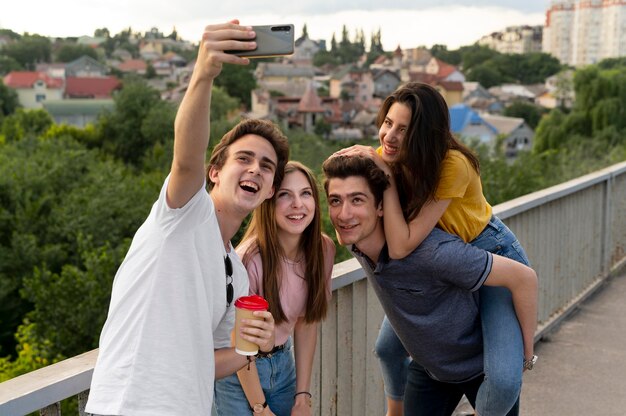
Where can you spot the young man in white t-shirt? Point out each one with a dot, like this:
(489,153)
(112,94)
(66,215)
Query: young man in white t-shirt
(167,334)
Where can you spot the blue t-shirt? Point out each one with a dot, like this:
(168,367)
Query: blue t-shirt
(431,300)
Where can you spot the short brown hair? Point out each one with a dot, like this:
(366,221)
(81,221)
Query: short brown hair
(343,167)
(263,128)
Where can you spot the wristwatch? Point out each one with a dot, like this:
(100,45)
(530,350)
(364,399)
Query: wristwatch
(529,364)
(259,407)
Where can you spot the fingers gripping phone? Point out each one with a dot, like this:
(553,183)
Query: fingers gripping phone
(271,40)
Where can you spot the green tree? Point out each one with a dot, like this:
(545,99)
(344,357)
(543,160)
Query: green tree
(121,133)
(8,101)
(531,113)
(102,33)
(441,52)
(25,123)
(71,52)
(486,75)
(238,81)
(29,50)
(8,64)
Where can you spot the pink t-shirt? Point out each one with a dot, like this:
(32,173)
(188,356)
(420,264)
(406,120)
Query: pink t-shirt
(293,290)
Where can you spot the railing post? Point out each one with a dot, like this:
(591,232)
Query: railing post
(52,410)
(82,402)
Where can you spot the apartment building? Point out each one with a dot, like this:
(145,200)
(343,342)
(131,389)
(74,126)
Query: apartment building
(515,39)
(582,32)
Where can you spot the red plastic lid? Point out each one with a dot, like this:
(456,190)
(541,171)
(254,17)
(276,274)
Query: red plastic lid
(253,303)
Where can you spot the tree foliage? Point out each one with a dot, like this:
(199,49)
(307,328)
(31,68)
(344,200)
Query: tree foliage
(70,52)
(121,130)
(8,101)
(598,118)
(30,50)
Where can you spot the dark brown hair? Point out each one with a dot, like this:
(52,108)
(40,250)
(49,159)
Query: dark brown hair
(343,167)
(263,230)
(263,128)
(427,141)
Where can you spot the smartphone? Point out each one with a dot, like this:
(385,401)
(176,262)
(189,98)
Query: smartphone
(271,40)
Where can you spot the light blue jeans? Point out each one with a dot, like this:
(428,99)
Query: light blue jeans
(502,336)
(278,380)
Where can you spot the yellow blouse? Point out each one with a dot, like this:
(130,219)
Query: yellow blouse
(469,212)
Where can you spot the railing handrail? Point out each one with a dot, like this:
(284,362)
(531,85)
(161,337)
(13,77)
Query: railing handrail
(56,382)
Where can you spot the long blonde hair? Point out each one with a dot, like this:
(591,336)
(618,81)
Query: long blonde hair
(263,232)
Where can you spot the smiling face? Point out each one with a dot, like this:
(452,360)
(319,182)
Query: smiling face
(245,180)
(295,204)
(393,131)
(354,213)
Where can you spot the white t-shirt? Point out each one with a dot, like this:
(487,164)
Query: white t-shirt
(167,315)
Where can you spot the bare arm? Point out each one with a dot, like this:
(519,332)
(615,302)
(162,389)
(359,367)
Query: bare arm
(251,385)
(191,128)
(261,332)
(402,237)
(305,339)
(521,280)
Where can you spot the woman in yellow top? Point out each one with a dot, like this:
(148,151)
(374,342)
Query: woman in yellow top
(435,182)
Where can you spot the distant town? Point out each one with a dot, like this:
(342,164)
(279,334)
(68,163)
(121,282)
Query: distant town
(333,90)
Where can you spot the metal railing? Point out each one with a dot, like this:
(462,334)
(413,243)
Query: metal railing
(574,233)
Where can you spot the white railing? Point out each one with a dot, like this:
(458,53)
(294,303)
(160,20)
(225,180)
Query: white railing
(574,233)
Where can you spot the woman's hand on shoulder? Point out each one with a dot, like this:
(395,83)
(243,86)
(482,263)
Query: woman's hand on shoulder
(364,151)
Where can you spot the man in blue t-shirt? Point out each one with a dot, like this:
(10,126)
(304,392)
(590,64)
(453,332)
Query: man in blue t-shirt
(431,295)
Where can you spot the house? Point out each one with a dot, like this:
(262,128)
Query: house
(77,112)
(121,54)
(518,134)
(475,90)
(480,99)
(444,71)
(452,91)
(305,49)
(515,92)
(85,66)
(33,88)
(91,87)
(137,66)
(150,49)
(385,82)
(288,79)
(353,84)
(467,124)
(91,41)
(54,70)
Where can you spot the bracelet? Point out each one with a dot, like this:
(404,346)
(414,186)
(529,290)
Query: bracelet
(303,392)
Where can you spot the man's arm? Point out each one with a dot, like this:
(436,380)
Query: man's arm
(521,280)
(191,137)
(261,332)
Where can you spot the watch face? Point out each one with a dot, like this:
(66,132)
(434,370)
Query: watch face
(258,408)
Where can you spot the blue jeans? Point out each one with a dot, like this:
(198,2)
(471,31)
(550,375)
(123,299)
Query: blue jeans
(428,397)
(278,380)
(502,337)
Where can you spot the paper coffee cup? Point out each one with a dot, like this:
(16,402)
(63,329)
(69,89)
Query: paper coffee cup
(244,307)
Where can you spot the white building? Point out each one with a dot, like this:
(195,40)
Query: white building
(582,32)
(514,39)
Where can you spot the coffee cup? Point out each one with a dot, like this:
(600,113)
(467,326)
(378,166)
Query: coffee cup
(244,308)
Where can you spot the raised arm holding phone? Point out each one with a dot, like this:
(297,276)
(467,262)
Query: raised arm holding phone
(167,334)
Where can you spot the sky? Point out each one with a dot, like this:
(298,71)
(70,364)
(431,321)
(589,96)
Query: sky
(408,23)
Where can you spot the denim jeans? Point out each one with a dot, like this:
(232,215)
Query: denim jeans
(278,380)
(428,397)
(502,337)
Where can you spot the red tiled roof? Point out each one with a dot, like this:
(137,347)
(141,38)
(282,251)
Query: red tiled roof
(26,79)
(310,102)
(451,85)
(91,87)
(132,65)
(445,69)
(423,77)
